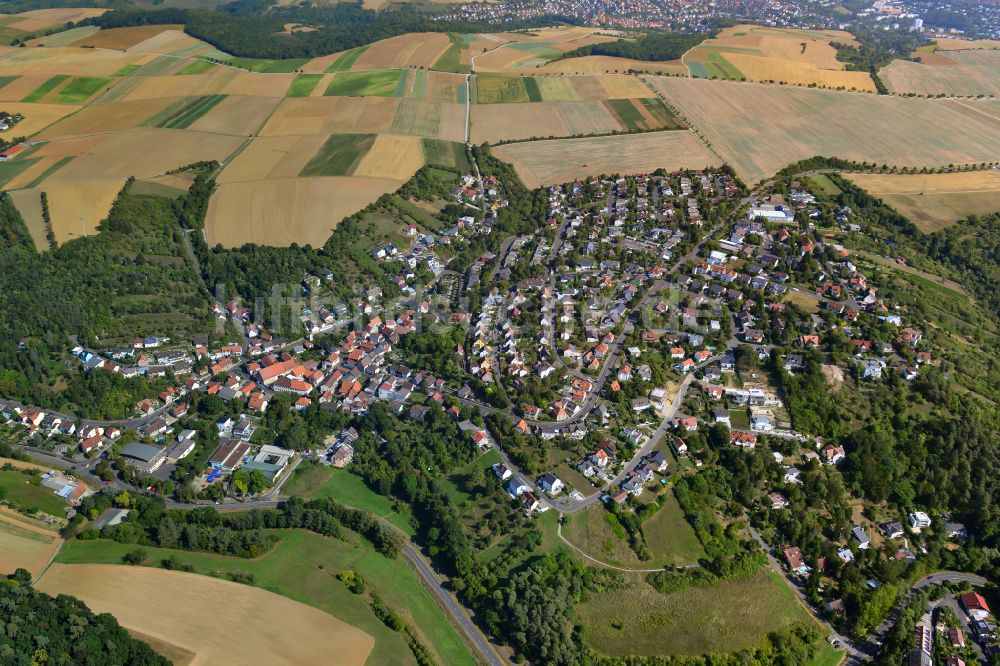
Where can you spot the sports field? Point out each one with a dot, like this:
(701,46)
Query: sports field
(541,163)
(728,617)
(740,122)
(794,57)
(935,201)
(220,621)
(956,73)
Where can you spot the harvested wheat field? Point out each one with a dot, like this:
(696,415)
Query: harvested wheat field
(955,73)
(102,118)
(623,87)
(331,115)
(240,115)
(540,163)
(611,65)
(77,207)
(761,128)
(272,158)
(221,621)
(253,83)
(796,57)
(965,44)
(23,545)
(149,152)
(211,82)
(172,42)
(935,201)
(67,61)
(415,49)
(39,20)
(124,38)
(38,116)
(513,122)
(282,212)
(392,157)
(29,205)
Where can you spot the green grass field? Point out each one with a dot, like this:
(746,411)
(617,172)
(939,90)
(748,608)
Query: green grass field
(27,492)
(382,83)
(446,153)
(661,113)
(626,112)
(126,70)
(197,67)
(44,89)
(183,113)
(303,85)
(823,182)
(346,61)
(303,566)
(339,156)
(80,89)
(670,537)
(500,89)
(734,615)
(451,60)
(348,489)
(7,80)
(533,89)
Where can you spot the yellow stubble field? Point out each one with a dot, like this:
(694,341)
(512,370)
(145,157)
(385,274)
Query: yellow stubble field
(331,115)
(220,621)
(282,212)
(540,163)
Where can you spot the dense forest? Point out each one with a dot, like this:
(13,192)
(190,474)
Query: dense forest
(652,46)
(131,280)
(62,631)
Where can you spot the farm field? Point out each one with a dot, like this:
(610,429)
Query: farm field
(611,65)
(37,21)
(329,115)
(738,120)
(411,50)
(216,619)
(757,53)
(282,212)
(383,83)
(541,163)
(23,545)
(965,44)
(124,38)
(526,52)
(954,73)
(734,615)
(316,561)
(935,201)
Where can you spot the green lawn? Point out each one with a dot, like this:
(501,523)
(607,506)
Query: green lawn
(725,618)
(27,492)
(347,60)
(591,530)
(80,89)
(303,566)
(339,155)
(670,537)
(307,479)
(197,67)
(44,89)
(303,84)
(382,83)
(827,656)
(350,489)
